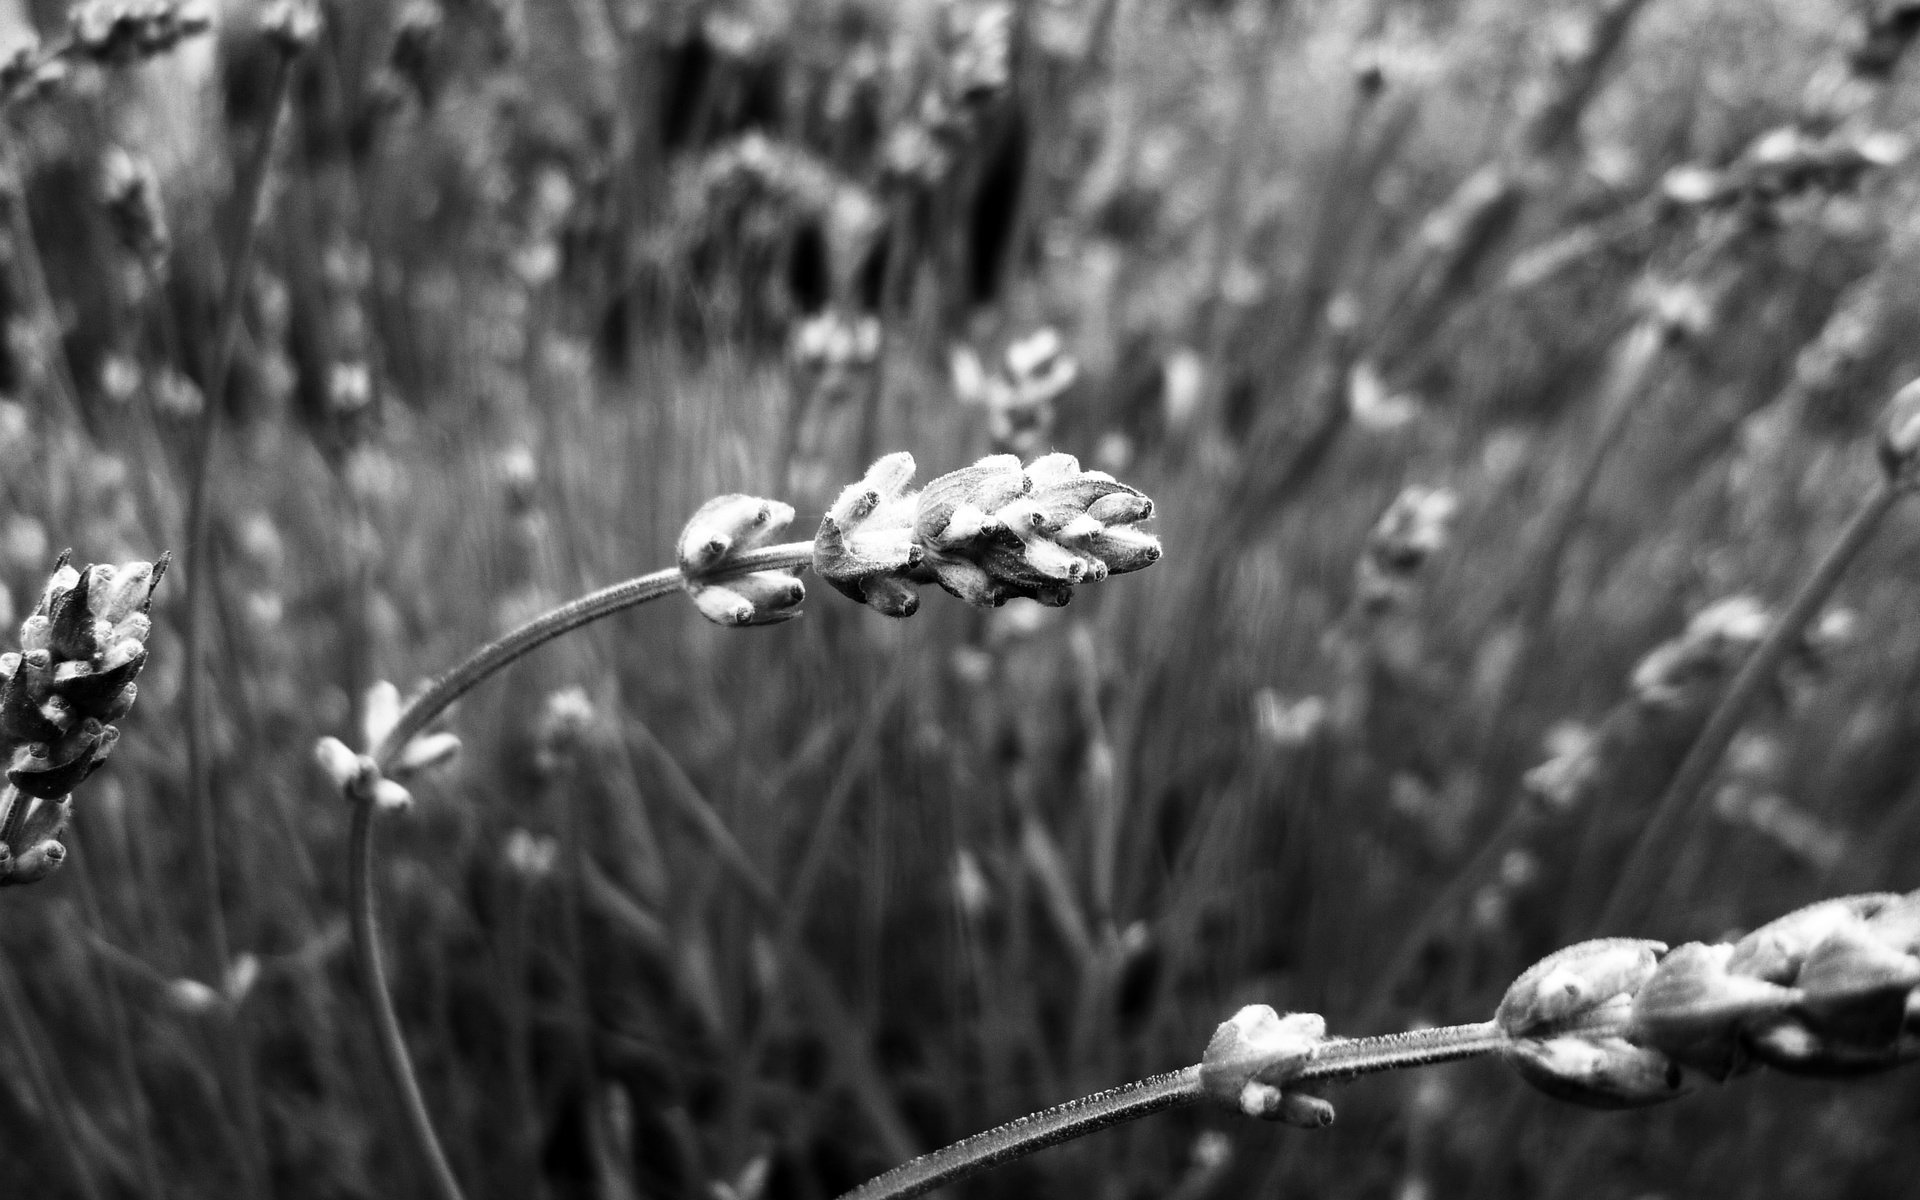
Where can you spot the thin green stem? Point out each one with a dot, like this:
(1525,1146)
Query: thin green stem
(1337,1059)
(416,716)
(1640,876)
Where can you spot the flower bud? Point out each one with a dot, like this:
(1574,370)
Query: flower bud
(1252,1055)
(756,598)
(1581,980)
(1855,986)
(1776,951)
(391,796)
(35,863)
(428,750)
(1597,1072)
(865,546)
(727,526)
(191,996)
(379,713)
(1898,924)
(1691,1009)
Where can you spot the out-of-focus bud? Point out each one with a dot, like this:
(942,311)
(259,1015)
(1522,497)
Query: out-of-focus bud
(191,996)
(342,765)
(426,751)
(291,25)
(131,193)
(241,976)
(1254,1054)
(530,855)
(1693,1010)
(27,71)
(1900,436)
(380,712)
(1583,980)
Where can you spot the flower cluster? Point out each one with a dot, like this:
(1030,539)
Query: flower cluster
(1832,989)
(986,533)
(79,654)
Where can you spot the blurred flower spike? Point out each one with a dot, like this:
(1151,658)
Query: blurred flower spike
(359,776)
(80,652)
(126,31)
(1021,395)
(711,546)
(987,533)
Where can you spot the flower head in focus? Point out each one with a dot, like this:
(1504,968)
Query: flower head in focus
(986,533)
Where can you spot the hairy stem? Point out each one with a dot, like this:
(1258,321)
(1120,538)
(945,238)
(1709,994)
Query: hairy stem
(418,714)
(507,648)
(1338,1058)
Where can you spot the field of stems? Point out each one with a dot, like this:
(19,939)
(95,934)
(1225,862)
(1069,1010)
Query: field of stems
(1537,561)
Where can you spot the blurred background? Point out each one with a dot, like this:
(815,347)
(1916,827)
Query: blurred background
(1497,367)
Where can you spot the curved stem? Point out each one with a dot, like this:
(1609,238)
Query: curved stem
(502,651)
(1336,1059)
(373,977)
(1639,878)
(419,712)
(1048,1127)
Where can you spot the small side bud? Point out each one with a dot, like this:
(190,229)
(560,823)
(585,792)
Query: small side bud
(191,996)
(1259,1049)
(757,598)
(726,526)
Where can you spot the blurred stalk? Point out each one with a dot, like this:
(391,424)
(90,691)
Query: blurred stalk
(485,662)
(826,827)
(1642,886)
(249,203)
(1630,378)
(53,1100)
(134,1092)
(1332,1059)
